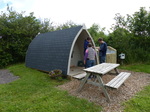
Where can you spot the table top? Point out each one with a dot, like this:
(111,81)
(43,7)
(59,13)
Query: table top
(102,68)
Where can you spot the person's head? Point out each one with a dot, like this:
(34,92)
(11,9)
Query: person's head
(89,45)
(88,39)
(100,40)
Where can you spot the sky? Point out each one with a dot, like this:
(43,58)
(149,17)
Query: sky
(101,12)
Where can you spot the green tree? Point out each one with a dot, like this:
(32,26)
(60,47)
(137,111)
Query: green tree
(66,25)
(46,26)
(17,31)
(132,35)
(120,40)
(140,26)
(96,32)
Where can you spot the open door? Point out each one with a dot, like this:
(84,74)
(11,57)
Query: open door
(77,54)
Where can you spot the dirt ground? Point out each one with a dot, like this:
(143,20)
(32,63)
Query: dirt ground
(6,77)
(133,84)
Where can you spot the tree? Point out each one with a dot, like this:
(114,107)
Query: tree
(17,31)
(46,26)
(140,26)
(97,32)
(66,25)
(132,35)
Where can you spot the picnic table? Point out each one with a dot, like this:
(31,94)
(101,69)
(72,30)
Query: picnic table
(98,71)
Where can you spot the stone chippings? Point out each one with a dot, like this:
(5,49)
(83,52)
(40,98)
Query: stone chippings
(135,83)
(7,77)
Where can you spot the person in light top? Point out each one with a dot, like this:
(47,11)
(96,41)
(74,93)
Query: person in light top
(89,57)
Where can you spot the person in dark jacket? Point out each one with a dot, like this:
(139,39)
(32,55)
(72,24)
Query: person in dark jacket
(86,42)
(102,50)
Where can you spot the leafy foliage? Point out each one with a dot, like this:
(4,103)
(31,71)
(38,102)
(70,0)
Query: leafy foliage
(66,25)
(131,35)
(17,31)
(46,26)
(97,32)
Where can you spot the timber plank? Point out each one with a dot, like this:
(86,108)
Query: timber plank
(80,76)
(102,68)
(118,80)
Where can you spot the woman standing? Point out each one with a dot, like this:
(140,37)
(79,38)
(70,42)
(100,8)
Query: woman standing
(89,58)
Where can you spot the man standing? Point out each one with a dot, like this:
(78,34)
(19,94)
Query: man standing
(102,50)
(86,42)
(89,58)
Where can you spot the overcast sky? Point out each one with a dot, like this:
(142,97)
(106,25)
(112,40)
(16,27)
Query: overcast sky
(85,12)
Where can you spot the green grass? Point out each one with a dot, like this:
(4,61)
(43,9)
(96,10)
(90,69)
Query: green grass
(137,67)
(141,101)
(36,92)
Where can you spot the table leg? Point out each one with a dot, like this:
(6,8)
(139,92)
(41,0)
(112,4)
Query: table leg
(103,88)
(116,70)
(83,82)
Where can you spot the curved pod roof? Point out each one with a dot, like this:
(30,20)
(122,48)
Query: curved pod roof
(52,50)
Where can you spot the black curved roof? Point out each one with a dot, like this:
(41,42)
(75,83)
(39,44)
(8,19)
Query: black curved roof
(49,51)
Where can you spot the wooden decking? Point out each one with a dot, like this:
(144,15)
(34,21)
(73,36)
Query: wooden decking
(75,71)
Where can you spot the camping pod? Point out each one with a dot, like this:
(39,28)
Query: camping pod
(62,49)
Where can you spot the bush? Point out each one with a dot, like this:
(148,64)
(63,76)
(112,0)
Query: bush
(16,31)
(131,35)
(5,59)
(97,32)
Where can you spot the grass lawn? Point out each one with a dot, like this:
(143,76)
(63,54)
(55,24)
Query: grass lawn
(141,102)
(35,92)
(137,68)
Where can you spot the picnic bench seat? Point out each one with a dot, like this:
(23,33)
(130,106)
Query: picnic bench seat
(118,80)
(80,76)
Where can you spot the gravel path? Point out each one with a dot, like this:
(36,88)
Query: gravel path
(6,77)
(133,84)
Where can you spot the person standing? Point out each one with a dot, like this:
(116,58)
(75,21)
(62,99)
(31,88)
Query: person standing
(102,50)
(86,42)
(89,58)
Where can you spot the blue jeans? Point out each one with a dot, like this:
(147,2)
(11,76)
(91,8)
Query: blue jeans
(102,59)
(89,63)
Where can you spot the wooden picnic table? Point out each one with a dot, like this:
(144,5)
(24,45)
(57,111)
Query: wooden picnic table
(98,71)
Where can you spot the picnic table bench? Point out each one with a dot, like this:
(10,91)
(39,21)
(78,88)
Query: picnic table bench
(98,71)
